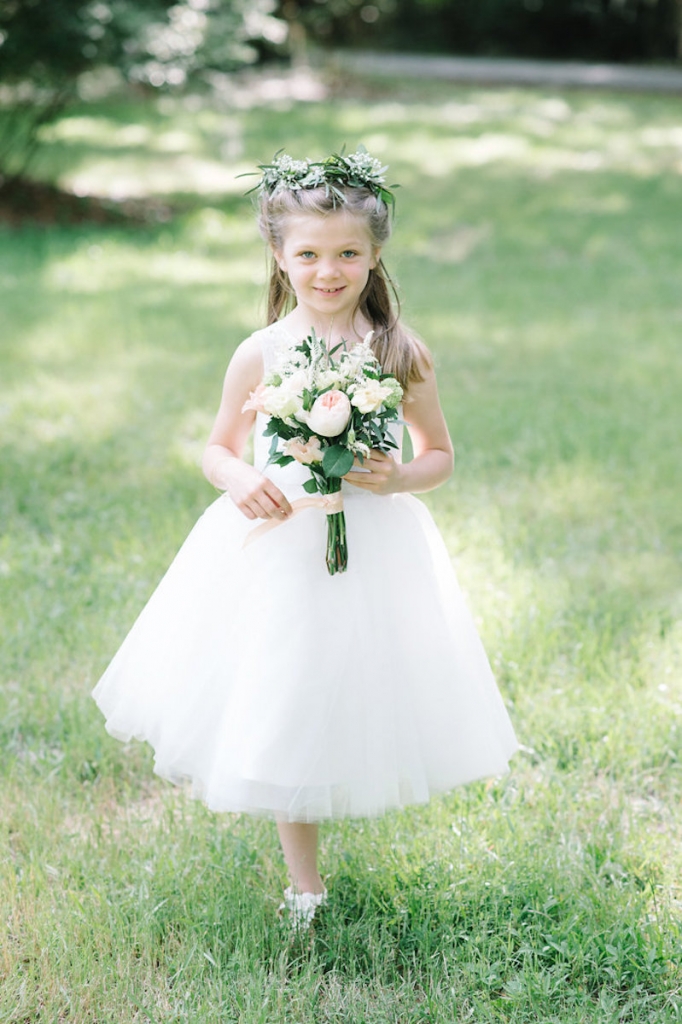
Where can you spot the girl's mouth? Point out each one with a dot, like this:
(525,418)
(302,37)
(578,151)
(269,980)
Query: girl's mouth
(330,291)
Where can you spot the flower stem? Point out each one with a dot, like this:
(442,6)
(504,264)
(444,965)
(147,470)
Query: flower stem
(337,546)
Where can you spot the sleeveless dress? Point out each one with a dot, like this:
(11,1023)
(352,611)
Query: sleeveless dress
(280,690)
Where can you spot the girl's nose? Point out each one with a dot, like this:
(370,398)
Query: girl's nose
(327,268)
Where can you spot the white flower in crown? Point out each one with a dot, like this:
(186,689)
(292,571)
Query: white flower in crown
(315,177)
(285,172)
(357,170)
(366,166)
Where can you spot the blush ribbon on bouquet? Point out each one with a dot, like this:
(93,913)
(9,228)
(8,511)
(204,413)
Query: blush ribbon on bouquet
(329,503)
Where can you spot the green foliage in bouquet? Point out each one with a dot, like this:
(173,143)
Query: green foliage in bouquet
(329,409)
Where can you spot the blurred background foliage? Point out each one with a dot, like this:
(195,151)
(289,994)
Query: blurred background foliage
(611,30)
(47,46)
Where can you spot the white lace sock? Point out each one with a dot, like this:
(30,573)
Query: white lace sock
(301,906)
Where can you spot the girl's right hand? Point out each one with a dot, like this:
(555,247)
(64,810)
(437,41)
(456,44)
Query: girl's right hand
(253,493)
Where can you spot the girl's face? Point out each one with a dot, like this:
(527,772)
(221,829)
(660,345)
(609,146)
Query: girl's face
(328,259)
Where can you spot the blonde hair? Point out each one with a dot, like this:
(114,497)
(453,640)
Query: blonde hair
(399,351)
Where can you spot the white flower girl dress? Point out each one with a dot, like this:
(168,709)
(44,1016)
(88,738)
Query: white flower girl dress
(280,690)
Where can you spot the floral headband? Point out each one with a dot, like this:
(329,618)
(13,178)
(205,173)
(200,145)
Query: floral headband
(359,170)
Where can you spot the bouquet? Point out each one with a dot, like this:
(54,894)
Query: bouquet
(326,409)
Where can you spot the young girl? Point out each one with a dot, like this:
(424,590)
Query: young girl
(279,689)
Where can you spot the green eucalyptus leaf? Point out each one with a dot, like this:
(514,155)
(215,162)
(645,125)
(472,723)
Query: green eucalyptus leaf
(337,461)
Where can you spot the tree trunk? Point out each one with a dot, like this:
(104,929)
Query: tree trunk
(298,41)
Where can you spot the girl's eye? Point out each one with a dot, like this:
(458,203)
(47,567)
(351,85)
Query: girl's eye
(307,254)
(348,253)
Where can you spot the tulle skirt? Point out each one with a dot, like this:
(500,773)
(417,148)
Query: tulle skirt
(280,690)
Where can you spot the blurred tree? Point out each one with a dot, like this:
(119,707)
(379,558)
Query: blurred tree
(337,22)
(618,30)
(46,45)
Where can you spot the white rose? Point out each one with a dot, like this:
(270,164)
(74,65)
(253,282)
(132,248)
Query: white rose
(286,399)
(279,402)
(371,397)
(327,379)
(296,382)
(330,414)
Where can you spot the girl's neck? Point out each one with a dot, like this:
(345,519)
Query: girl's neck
(331,330)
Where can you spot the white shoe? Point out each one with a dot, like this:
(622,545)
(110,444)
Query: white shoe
(301,906)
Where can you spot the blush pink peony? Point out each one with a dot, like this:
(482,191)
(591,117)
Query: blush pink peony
(330,414)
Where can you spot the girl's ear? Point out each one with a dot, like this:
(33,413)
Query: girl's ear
(376,256)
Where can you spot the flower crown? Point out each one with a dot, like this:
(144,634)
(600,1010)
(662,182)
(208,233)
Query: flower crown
(358,170)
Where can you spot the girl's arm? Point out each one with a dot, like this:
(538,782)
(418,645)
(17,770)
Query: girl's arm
(433,455)
(253,494)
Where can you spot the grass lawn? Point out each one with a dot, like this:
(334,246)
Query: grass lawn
(539,252)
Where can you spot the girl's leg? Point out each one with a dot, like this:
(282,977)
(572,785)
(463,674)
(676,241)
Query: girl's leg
(299,845)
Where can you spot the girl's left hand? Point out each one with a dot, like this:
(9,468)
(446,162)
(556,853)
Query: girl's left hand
(379,473)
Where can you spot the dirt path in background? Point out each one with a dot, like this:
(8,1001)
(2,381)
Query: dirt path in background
(494,71)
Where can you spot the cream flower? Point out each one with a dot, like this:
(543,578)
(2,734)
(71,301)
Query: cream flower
(280,403)
(371,397)
(328,379)
(286,400)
